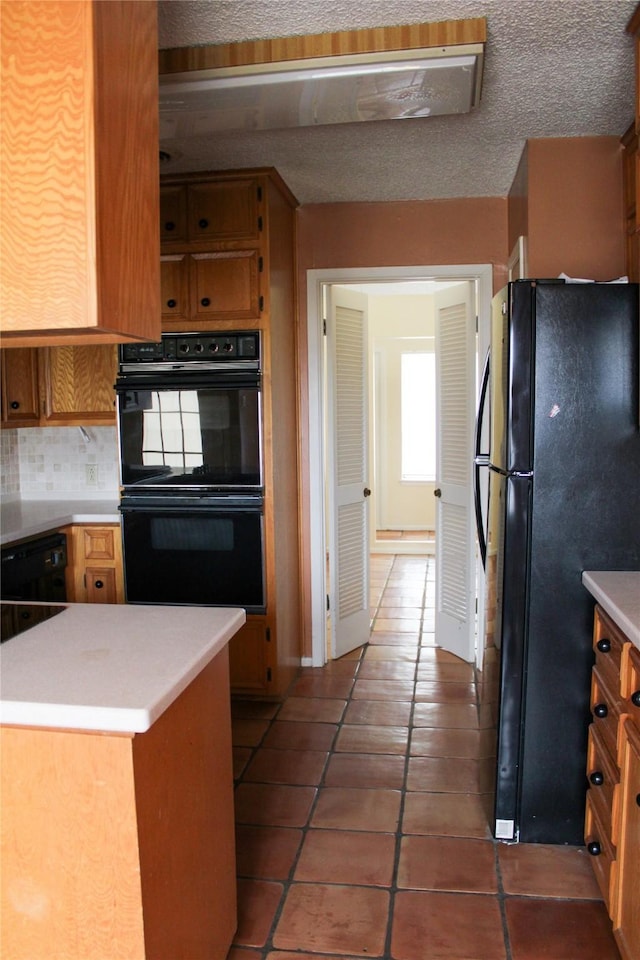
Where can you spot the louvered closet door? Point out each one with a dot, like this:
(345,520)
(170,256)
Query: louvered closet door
(349,550)
(455,536)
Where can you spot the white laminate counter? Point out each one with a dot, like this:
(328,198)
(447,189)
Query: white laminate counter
(29,518)
(109,667)
(618,593)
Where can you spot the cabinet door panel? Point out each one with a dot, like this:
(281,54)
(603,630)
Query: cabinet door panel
(174,287)
(247,659)
(225,285)
(101,585)
(20,405)
(627,917)
(79,384)
(173,214)
(227,210)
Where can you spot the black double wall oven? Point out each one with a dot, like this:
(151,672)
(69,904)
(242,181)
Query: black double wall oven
(191,470)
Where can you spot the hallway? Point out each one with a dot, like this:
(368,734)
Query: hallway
(361,811)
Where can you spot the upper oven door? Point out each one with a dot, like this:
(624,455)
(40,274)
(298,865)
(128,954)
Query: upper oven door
(179,430)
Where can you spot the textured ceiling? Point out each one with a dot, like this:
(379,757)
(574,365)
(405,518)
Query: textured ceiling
(553,68)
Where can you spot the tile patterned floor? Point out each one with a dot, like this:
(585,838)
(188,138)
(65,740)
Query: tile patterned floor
(361,813)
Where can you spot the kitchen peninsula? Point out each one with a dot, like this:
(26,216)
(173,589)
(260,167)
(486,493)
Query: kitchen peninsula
(117,785)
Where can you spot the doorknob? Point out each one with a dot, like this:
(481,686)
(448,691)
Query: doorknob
(437,492)
(367,492)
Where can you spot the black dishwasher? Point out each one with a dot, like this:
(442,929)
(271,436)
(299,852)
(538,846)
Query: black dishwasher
(35,569)
(32,570)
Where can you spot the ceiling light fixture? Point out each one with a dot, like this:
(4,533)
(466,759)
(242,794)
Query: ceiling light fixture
(390,85)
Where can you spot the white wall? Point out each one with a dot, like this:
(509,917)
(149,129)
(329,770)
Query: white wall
(398,505)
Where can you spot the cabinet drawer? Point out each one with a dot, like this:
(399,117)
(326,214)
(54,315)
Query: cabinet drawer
(98,543)
(605,707)
(630,683)
(608,644)
(223,211)
(604,782)
(602,856)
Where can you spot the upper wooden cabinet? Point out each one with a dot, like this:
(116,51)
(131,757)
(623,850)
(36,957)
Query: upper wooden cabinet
(59,386)
(210,212)
(79,194)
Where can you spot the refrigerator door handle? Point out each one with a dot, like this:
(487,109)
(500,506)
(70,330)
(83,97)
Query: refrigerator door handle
(480,460)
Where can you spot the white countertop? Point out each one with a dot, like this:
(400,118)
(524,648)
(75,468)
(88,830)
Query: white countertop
(618,593)
(28,518)
(109,667)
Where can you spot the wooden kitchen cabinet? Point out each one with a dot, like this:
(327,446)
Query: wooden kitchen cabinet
(63,386)
(20,397)
(228,264)
(79,260)
(612,823)
(94,572)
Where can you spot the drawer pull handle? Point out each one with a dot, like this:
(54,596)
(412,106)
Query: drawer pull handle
(171,304)
(601,710)
(594,848)
(205,301)
(99,584)
(169,225)
(15,405)
(604,645)
(203,224)
(635,698)
(597,778)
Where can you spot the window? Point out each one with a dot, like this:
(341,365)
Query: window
(418,416)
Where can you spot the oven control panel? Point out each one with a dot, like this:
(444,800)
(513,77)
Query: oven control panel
(241,345)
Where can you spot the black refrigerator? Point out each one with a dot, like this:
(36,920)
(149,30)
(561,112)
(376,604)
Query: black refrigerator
(558,433)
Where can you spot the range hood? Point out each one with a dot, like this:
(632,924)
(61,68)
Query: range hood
(391,85)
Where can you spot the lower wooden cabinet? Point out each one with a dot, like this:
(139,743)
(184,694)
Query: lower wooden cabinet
(612,823)
(95,573)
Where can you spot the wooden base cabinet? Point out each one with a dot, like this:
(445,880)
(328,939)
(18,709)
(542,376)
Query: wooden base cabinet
(94,572)
(227,263)
(612,824)
(122,845)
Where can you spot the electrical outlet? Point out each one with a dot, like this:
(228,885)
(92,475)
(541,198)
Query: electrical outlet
(92,474)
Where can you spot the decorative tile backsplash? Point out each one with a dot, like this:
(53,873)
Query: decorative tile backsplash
(52,462)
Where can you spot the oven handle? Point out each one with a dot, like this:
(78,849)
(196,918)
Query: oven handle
(198,508)
(179,380)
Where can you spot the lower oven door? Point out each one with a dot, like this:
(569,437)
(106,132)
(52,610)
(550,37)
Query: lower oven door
(209,555)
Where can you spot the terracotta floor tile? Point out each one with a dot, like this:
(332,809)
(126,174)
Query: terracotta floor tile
(437,670)
(438,742)
(447,863)
(315,709)
(398,653)
(258,901)
(437,655)
(243,953)
(439,691)
(544,870)
(443,775)
(367,738)
(388,624)
(273,804)
(341,856)
(322,686)
(266,853)
(447,926)
(241,757)
(284,735)
(335,919)
(253,709)
(248,733)
(445,715)
(365,770)
(379,712)
(287,766)
(343,667)
(559,930)
(386,670)
(346,808)
(383,690)
(445,814)
(395,639)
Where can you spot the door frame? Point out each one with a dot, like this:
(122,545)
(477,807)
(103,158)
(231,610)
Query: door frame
(316,279)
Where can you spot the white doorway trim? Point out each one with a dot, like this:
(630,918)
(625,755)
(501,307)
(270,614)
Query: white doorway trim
(483,274)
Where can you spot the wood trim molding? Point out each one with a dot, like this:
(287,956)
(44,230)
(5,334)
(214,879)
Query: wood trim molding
(370,40)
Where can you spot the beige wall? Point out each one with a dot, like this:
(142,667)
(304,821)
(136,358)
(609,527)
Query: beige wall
(567,199)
